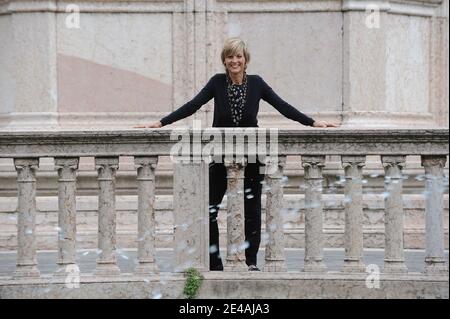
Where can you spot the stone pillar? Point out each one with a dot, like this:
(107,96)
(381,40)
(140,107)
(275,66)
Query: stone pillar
(275,260)
(146,214)
(353,261)
(106,262)
(216,33)
(439,63)
(26,238)
(67,172)
(313,213)
(434,218)
(373,44)
(394,260)
(235,215)
(199,50)
(191,214)
(362,44)
(182,44)
(31,55)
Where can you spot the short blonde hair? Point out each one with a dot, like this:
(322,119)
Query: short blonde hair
(233,46)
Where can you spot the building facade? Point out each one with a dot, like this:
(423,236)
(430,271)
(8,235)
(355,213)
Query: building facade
(113,63)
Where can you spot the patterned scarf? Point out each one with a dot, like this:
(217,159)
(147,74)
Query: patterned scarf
(237,95)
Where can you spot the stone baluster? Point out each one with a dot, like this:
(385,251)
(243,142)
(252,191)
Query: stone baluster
(26,237)
(275,260)
(235,215)
(106,262)
(146,214)
(67,172)
(394,260)
(313,213)
(191,214)
(434,212)
(353,202)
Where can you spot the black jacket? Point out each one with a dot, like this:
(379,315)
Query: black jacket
(257,89)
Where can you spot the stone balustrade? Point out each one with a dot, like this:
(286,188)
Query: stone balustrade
(191,192)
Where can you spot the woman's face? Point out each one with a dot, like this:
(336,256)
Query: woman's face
(235,63)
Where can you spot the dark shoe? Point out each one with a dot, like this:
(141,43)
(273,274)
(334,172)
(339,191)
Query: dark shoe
(216,268)
(215,262)
(253,268)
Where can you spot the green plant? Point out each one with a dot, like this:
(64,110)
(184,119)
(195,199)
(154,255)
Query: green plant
(193,282)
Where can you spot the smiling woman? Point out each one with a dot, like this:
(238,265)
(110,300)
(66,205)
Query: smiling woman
(236,104)
(235,57)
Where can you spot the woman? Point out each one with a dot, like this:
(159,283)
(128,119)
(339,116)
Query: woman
(236,104)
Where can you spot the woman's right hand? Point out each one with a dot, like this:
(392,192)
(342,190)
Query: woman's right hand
(153,125)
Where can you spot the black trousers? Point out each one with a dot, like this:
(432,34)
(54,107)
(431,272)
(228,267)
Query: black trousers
(252,210)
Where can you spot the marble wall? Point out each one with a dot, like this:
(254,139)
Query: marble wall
(116,63)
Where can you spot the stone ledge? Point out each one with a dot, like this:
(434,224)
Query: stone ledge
(406,7)
(108,6)
(419,8)
(291,285)
(310,141)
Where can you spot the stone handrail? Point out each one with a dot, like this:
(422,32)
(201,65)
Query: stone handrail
(191,191)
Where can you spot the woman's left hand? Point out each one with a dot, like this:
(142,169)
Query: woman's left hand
(324,124)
